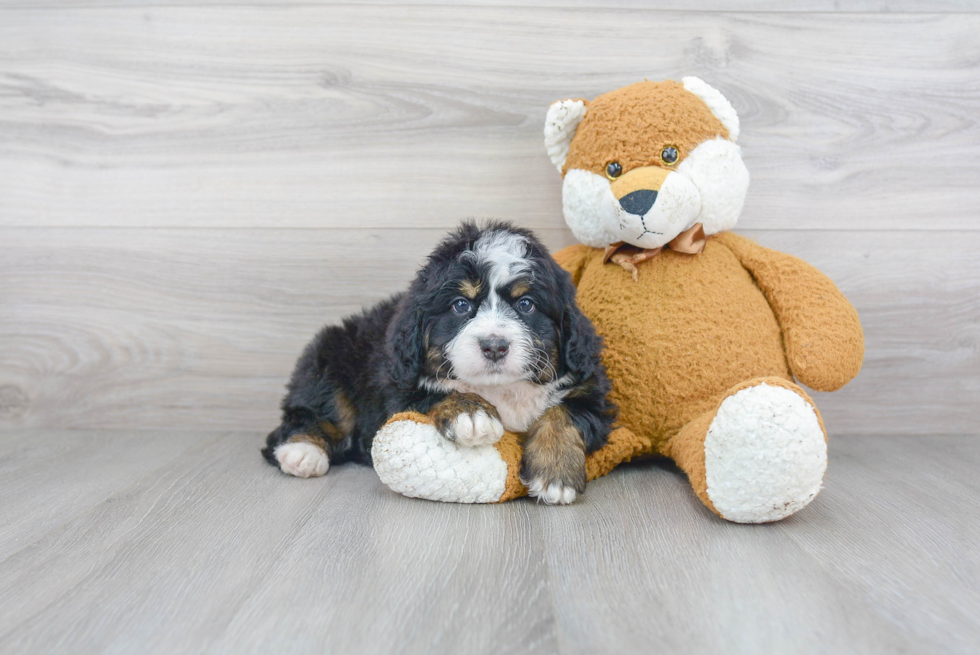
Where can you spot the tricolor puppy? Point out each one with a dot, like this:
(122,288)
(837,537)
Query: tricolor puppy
(488,337)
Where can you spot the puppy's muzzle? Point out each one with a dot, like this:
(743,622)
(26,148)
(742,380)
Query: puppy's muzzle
(494,348)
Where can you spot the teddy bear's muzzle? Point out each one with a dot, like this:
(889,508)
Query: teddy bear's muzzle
(651,205)
(638,202)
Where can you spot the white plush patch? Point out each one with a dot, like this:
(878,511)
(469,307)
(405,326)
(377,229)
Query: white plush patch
(675,209)
(559,128)
(553,494)
(414,460)
(585,199)
(716,168)
(764,455)
(717,103)
(478,429)
(302,459)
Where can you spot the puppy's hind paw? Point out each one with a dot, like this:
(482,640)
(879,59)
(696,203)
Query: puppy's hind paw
(554,493)
(302,459)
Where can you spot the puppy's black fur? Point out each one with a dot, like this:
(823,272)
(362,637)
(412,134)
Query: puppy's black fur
(392,357)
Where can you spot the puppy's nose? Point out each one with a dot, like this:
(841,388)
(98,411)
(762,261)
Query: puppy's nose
(494,348)
(638,202)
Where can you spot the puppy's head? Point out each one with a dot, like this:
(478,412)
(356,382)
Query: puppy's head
(490,307)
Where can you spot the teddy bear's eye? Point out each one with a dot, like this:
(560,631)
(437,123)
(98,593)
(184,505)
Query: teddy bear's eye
(669,155)
(613,170)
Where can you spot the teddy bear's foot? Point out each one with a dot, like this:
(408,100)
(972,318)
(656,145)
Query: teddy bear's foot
(412,458)
(765,455)
(760,456)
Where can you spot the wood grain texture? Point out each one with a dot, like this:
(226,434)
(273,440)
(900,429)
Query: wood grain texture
(214,551)
(33,503)
(114,328)
(381,116)
(860,571)
(219,552)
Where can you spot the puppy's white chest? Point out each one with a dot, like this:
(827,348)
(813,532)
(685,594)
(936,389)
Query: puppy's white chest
(519,404)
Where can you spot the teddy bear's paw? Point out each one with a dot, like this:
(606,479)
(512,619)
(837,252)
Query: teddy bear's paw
(476,429)
(302,459)
(765,455)
(415,460)
(554,493)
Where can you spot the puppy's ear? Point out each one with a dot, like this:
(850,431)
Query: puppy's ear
(403,344)
(580,345)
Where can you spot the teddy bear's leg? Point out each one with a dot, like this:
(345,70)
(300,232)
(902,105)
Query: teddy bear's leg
(759,456)
(412,458)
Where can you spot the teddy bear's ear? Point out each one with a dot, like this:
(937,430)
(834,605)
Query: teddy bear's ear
(559,128)
(717,103)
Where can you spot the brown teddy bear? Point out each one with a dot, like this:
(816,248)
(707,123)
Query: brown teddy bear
(704,330)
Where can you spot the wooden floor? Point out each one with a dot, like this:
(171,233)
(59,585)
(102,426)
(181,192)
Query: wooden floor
(187,542)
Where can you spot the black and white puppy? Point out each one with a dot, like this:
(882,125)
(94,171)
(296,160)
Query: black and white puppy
(487,338)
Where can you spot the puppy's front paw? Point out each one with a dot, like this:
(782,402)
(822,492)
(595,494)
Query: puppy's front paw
(553,466)
(554,493)
(468,419)
(555,477)
(476,429)
(302,459)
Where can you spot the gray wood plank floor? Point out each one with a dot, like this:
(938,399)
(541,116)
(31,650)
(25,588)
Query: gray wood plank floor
(178,542)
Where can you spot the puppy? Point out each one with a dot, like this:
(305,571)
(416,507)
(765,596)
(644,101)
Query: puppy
(488,337)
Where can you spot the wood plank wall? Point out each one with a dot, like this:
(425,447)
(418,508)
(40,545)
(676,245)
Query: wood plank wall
(188,190)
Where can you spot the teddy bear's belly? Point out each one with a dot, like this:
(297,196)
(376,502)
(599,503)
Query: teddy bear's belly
(690,329)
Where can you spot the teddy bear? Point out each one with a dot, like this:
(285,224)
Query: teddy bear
(707,334)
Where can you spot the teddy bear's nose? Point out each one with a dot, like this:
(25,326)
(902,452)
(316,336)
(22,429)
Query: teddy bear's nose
(638,202)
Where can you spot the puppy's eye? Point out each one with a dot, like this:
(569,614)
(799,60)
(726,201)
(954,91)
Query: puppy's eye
(613,170)
(462,306)
(525,305)
(669,155)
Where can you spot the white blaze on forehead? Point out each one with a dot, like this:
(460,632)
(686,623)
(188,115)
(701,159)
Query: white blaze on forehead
(506,252)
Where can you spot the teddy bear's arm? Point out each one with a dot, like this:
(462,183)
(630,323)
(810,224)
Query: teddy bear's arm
(822,334)
(573,259)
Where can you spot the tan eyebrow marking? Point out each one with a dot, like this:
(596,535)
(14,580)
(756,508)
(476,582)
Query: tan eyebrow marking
(470,289)
(519,289)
